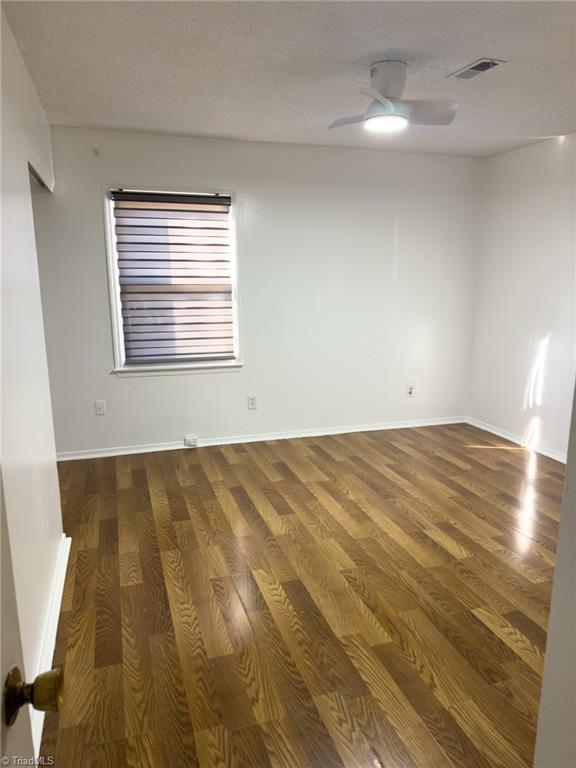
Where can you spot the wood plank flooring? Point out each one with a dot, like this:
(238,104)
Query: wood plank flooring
(365,600)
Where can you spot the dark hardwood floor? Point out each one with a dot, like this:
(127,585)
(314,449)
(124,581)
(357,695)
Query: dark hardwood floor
(365,600)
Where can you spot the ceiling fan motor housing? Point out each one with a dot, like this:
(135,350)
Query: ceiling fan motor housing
(392,108)
(389,77)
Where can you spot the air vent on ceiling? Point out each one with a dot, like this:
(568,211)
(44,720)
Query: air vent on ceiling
(477,68)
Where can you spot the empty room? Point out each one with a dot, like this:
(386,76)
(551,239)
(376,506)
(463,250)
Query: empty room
(288,362)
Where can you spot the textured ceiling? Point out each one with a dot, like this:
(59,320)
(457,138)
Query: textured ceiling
(282,71)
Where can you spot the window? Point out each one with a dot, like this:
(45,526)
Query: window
(174,274)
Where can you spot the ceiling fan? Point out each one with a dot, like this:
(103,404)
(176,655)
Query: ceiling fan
(388,112)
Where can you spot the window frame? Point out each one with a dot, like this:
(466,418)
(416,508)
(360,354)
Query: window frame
(121,368)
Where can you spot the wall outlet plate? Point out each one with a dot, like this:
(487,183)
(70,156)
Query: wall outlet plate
(410,390)
(252,402)
(100,407)
(191,441)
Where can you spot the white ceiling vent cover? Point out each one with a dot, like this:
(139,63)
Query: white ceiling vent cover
(476,68)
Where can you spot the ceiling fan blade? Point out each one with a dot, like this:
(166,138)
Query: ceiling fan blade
(375,95)
(429,111)
(346,121)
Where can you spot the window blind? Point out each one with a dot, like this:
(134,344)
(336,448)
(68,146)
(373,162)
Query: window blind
(174,267)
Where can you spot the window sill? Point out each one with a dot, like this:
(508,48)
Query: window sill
(174,369)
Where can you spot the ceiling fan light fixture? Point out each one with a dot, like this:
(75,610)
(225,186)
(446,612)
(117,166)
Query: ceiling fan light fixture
(385,123)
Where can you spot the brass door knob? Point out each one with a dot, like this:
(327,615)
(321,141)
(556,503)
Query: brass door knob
(45,693)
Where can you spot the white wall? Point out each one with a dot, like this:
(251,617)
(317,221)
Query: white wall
(526,289)
(29,474)
(556,738)
(355,280)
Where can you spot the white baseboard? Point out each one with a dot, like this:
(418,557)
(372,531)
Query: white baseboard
(324,431)
(120,450)
(49,634)
(124,450)
(97,453)
(551,453)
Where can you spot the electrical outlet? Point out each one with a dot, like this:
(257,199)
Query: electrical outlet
(100,407)
(252,402)
(191,441)
(410,390)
